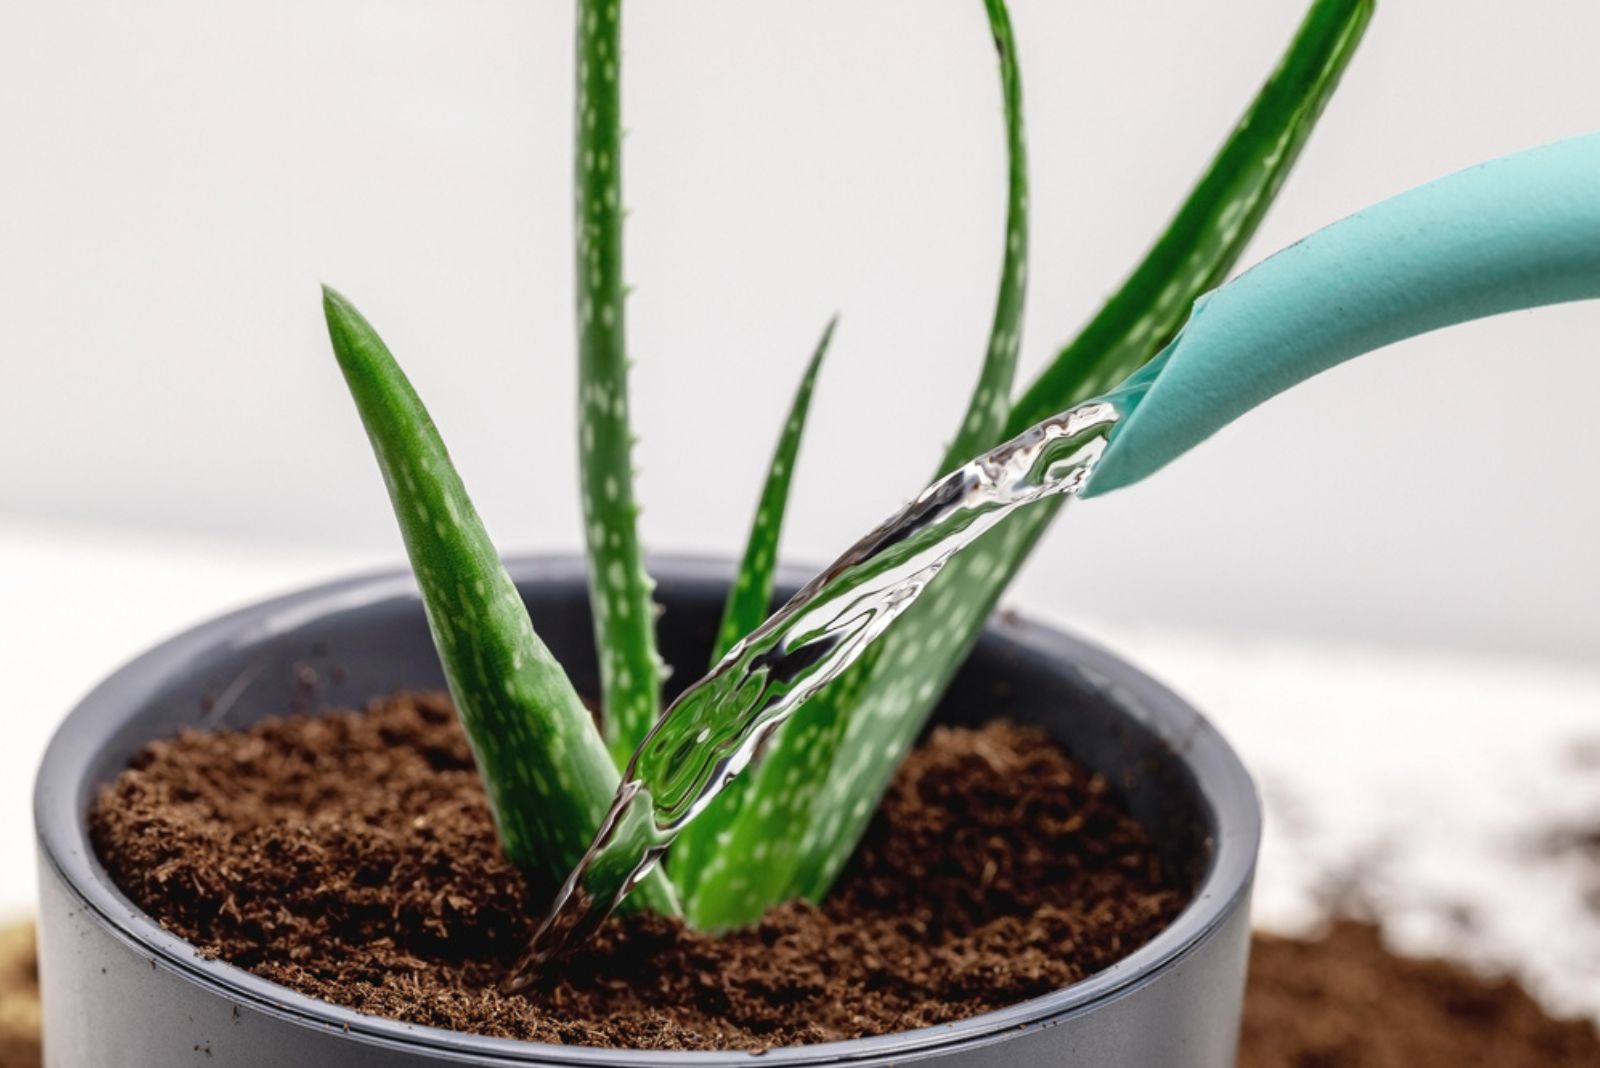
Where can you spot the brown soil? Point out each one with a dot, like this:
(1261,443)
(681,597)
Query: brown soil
(351,856)
(19,997)
(371,834)
(1343,1001)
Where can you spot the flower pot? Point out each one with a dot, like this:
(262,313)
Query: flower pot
(120,990)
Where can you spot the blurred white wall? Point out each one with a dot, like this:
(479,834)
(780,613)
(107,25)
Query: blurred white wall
(176,177)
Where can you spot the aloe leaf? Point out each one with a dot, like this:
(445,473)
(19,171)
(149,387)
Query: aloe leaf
(783,789)
(750,598)
(619,586)
(744,872)
(990,402)
(811,799)
(546,771)
(1204,240)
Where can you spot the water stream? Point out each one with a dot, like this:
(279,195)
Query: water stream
(713,731)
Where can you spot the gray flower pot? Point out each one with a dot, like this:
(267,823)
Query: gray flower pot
(119,990)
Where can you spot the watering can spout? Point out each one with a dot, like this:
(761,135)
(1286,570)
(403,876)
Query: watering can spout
(1516,232)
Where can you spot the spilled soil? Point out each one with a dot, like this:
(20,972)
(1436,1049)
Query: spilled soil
(1345,1001)
(19,997)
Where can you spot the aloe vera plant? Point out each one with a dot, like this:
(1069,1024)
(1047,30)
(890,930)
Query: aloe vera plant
(810,800)
(787,827)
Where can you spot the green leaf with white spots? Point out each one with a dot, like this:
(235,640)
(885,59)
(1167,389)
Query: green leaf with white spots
(544,766)
(991,397)
(619,587)
(1204,240)
(812,797)
(750,600)
(747,871)
(783,787)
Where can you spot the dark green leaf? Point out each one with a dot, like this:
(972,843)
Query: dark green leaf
(544,766)
(619,586)
(812,798)
(991,398)
(750,600)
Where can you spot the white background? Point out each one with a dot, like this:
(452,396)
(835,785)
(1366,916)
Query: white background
(176,177)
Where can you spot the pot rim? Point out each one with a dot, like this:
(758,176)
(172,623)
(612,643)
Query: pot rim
(1220,779)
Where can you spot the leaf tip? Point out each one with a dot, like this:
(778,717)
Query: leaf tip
(348,329)
(335,305)
(823,343)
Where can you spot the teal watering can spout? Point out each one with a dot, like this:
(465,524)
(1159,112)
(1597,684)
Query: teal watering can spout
(1517,232)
